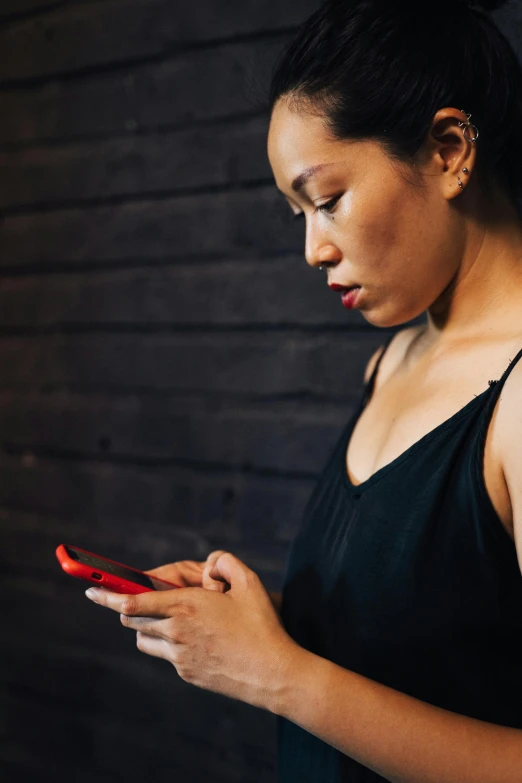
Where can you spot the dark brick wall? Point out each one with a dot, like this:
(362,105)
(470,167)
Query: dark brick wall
(172,374)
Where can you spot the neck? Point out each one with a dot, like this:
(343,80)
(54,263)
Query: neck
(484,298)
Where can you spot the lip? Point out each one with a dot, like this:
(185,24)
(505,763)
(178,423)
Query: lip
(349,298)
(350,294)
(339,287)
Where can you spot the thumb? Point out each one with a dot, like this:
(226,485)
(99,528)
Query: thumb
(209,582)
(229,568)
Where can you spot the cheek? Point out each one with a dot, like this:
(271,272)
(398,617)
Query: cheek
(372,228)
(392,231)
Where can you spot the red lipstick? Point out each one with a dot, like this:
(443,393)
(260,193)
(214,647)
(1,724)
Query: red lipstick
(350,294)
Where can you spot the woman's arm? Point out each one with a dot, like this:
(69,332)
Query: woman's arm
(399,737)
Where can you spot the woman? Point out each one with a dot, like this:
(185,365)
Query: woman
(398,652)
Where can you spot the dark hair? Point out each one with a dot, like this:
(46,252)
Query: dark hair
(378,70)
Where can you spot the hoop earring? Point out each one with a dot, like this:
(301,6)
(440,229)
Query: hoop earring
(467,125)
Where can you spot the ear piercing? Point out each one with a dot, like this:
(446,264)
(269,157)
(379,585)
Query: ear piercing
(461,186)
(467,126)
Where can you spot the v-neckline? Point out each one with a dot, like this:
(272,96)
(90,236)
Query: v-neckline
(357,489)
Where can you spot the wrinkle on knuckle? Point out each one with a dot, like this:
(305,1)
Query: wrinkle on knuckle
(129,605)
(186,609)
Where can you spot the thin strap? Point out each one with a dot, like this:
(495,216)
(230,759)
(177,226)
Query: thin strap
(368,388)
(501,381)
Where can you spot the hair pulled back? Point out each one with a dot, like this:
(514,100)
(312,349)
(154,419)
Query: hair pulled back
(381,70)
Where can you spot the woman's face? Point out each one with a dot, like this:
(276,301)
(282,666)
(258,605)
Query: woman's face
(367,220)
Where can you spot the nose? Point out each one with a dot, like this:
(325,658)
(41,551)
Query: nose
(318,248)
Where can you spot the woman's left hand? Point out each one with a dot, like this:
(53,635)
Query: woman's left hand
(230,642)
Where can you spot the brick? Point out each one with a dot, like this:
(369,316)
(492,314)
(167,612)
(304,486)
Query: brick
(265,291)
(85,675)
(239,222)
(215,155)
(79,36)
(329,365)
(199,86)
(171,513)
(279,437)
(13,7)
(153,746)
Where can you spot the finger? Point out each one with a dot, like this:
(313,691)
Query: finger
(158,648)
(186,573)
(231,569)
(151,626)
(149,604)
(209,583)
(146,625)
(169,574)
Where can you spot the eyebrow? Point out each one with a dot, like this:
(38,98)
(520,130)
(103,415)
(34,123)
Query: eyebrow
(301,180)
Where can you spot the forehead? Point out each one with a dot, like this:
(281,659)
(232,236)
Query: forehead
(300,140)
(298,136)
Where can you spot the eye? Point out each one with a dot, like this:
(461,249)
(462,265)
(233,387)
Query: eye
(328,206)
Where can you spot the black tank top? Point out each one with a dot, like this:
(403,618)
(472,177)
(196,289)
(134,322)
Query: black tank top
(409,579)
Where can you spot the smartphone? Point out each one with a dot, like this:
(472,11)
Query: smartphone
(100,570)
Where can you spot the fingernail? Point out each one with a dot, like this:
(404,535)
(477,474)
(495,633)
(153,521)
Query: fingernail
(91,592)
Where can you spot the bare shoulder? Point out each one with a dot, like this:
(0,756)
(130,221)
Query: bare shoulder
(398,346)
(509,415)
(509,428)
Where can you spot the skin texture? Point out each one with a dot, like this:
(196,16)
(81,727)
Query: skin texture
(415,243)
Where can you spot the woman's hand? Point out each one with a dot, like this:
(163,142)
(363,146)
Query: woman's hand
(189,573)
(186,573)
(227,639)
(196,573)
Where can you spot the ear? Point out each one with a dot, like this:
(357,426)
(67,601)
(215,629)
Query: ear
(450,151)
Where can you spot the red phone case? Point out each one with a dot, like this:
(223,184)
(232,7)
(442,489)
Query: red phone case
(102,578)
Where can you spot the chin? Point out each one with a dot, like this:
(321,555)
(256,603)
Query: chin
(386,320)
(389,316)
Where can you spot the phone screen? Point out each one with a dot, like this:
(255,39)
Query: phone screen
(111,568)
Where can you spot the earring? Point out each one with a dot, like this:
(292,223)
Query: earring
(466,127)
(461,186)
(465,171)
(321,268)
